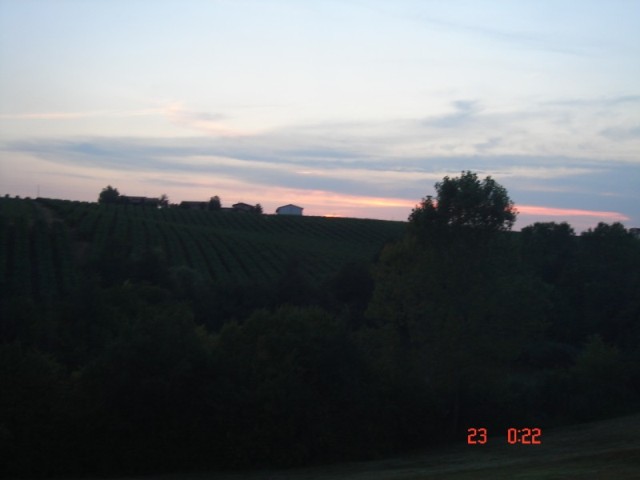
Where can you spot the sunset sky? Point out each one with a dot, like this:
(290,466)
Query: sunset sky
(351,108)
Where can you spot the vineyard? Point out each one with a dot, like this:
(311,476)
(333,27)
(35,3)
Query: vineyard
(45,241)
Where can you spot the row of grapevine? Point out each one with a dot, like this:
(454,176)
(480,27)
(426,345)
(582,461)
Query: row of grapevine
(221,246)
(338,229)
(139,240)
(101,240)
(43,270)
(193,253)
(63,257)
(208,253)
(218,269)
(235,268)
(172,244)
(27,264)
(253,257)
(16,208)
(193,244)
(4,256)
(87,224)
(20,263)
(35,255)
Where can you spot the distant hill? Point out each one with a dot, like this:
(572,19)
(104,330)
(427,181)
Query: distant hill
(44,240)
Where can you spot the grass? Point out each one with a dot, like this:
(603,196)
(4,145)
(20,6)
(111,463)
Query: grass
(608,449)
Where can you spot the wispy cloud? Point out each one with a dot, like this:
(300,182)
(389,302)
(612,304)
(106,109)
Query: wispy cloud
(579,219)
(545,172)
(79,115)
(464,110)
(307,157)
(622,133)
(343,168)
(594,102)
(571,212)
(497,34)
(203,122)
(394,159)
(175,112)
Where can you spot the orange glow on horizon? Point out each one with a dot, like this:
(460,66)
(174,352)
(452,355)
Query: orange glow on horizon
(568,212)
(84,183)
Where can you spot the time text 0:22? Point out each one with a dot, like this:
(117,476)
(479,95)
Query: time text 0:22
(515,436)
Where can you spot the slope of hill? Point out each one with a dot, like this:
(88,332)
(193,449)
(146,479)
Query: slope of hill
(43,239)
(165,340)
(599,450)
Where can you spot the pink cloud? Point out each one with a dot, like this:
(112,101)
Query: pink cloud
(569,212)
(208,123)
(579,219)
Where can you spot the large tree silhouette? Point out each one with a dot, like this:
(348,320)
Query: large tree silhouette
(466,202)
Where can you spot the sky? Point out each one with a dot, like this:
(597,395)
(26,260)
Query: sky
(348,108)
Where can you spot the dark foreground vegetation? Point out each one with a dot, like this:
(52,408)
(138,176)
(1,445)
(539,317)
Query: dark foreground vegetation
(605,449)
(137,340)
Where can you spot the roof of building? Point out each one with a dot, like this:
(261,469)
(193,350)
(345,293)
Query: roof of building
(133,198)
(289,205)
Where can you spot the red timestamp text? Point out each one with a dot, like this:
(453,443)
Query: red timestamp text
(476,436)
(515,436)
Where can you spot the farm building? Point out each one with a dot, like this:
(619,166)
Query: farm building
(146,201)
(289,210)
(194,205)
(243,207)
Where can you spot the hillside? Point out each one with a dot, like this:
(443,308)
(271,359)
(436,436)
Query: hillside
(150,341)
(44,240)
(596,450)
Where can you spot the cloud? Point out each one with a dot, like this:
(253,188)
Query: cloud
(270,162)
(594,102)
(579,219)
(272,155)
(547,172)
(622,133)
(570,212)
(512,38)
(77,115)
(214,124)
(464,111)
(488,144)
(399,158)
(208,123)
(470,129)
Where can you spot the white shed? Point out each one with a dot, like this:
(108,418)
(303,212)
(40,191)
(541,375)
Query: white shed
(289,210)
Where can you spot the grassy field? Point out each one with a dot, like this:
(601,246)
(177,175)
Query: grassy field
(607,449)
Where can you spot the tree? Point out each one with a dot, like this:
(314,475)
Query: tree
(466,202)
(155,402)
(463,321)
(109,195)
(215,203)
(258,209)
(464,309)
(609,281)
(163,201)
(31,399)
(549,248)
(291,384)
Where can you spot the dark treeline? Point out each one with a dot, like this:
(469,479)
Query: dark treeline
(145,367)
